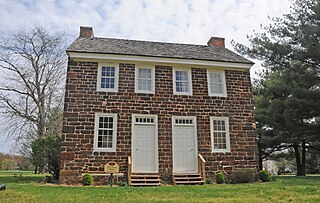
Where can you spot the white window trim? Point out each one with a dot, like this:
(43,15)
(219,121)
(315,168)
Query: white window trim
(174,81)
(114,136)
(116,82)
(152,80)
(226,119)
(224,86)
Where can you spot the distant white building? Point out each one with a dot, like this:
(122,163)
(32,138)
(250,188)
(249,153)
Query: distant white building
(270,166)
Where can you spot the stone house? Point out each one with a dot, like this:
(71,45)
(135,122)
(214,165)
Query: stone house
(165,112)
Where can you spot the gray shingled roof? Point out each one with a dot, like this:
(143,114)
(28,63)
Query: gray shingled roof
(155,49)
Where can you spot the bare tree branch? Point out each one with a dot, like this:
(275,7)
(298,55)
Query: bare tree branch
(33,63)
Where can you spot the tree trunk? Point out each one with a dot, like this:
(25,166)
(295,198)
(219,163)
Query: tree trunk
(35,169)
(260,158)
(303,158)
(300,160)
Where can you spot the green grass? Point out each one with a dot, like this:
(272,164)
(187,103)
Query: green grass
(15,172)
(285,189)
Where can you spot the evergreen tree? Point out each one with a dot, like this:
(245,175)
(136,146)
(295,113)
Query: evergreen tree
(287,96)
(46,152)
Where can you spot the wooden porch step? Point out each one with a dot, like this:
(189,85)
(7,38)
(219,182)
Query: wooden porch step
(145,176)
(187,179)
(145,184)
(145,180)
(187,174)
(195,182)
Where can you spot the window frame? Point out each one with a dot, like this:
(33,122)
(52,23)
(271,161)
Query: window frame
(227,131)
(224,86)
(116,78)
(96,129)
(136,89)
(174,69)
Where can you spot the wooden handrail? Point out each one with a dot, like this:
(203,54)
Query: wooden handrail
(201,158)
(129,170)
(202,166)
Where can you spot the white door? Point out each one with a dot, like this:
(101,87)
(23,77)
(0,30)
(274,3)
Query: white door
(144,144)
(184,145)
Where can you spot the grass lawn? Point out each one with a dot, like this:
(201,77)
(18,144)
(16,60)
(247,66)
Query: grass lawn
(285,189)
(15,172)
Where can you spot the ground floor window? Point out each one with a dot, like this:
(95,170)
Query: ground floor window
(220,138)
(105,134)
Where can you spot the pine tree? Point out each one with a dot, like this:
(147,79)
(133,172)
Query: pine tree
(287,96)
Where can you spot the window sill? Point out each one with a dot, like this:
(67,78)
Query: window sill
(104,150)
(142,92)
(182,93)
(106,90)
(221,151)
(217,95)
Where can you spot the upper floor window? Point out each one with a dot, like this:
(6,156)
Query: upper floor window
(145,80)
(220,137)
(108,78)
(182,83)
(216,83)
(105,133)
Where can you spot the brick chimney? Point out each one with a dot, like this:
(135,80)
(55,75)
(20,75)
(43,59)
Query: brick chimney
(216,41)
(86,32)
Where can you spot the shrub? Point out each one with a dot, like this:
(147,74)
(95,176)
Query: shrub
(264,176)
(242,176)
(220,178)
(208,181)
(122,183)
(87,179)
(46,152)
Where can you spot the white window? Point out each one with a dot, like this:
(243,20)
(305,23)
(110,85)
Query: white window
(108,78)
(181,121)
(144,120)
(216,84)
(145,80)
(105,132)
(182,82)
(220,138)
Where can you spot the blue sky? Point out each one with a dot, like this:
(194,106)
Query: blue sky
(181,21)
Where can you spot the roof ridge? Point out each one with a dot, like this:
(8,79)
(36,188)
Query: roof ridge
(158,42)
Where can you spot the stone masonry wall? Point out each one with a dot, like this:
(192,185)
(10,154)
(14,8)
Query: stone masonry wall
(82,101)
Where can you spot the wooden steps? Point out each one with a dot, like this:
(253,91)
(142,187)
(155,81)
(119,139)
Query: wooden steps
(187,179)
(145,180)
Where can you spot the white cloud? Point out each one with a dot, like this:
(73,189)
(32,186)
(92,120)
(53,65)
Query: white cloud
(184,21)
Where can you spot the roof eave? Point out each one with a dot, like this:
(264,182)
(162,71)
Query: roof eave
(157,59)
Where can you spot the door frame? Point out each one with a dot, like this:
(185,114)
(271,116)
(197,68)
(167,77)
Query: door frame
(156,154)
(194,118)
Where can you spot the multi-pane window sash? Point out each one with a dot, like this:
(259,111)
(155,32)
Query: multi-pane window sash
(182,81)
(216,84)
(184,121)
(220,134)
(144,79)
(108,77)
(105,132)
